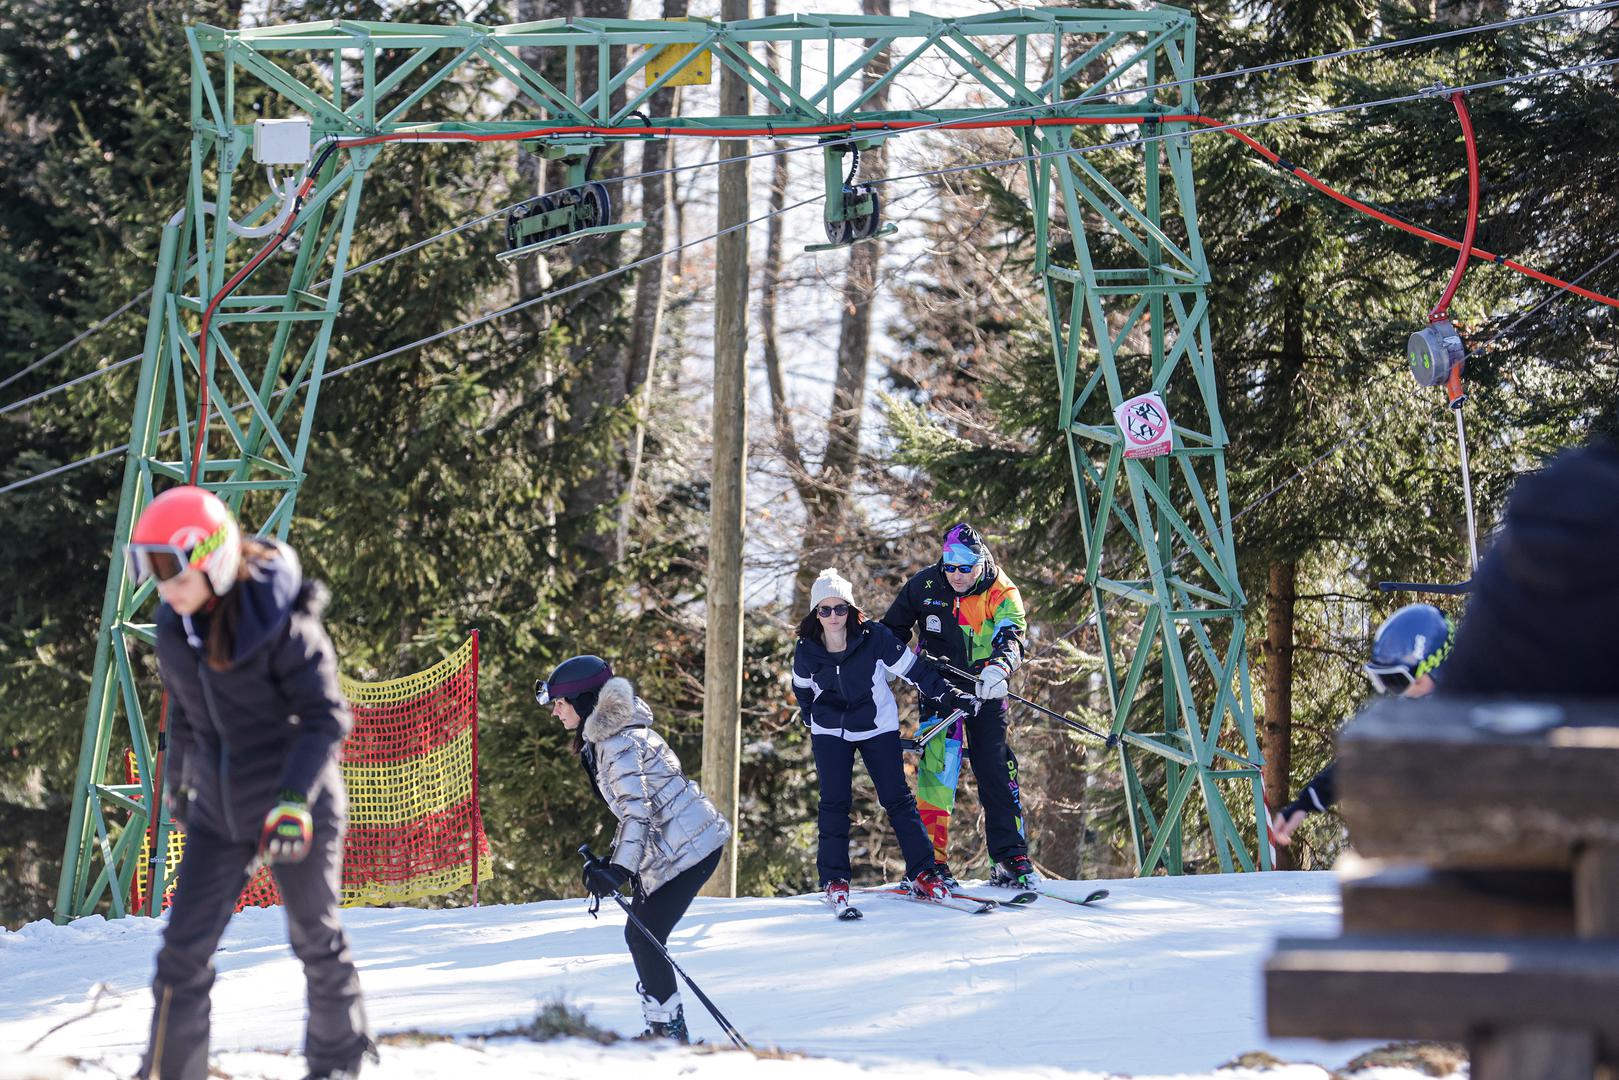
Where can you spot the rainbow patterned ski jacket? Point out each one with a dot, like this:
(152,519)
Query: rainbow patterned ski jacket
(987,624)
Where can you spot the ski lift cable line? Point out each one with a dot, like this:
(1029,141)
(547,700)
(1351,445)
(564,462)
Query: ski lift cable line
(362,267)
(479,320)
(954,169)
(99,324)
(1235,128)
(1255,69)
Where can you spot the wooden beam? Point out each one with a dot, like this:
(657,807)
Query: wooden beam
(722,671)
(1436,781)
(1404,898)
(1445,989)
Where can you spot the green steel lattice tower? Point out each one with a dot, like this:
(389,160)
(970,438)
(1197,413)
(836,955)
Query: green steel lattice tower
(1135,275)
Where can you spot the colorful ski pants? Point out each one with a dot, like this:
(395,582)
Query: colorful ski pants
(993,764)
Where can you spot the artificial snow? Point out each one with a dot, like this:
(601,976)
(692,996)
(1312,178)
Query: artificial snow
(1161,979)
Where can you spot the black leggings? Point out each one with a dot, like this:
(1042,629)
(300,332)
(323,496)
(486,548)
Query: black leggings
(659,911)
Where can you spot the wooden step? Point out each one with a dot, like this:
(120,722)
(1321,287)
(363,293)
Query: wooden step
(1382,897)
(1446,989)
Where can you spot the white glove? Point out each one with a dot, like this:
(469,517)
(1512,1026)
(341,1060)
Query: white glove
(991,683)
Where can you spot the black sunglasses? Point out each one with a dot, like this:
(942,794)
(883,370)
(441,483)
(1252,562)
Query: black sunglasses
(826,611)
(964,568)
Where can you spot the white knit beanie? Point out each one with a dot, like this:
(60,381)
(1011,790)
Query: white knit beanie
(830,584)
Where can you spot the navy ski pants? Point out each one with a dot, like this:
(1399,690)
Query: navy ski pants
(834,769)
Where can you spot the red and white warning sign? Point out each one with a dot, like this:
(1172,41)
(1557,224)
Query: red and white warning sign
(1144,423)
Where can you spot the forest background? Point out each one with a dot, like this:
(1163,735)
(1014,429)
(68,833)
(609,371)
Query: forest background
(544,477)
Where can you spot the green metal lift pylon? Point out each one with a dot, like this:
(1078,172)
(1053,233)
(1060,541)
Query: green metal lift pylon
(1136,271)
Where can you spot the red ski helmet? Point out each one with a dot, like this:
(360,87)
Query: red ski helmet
(186,526)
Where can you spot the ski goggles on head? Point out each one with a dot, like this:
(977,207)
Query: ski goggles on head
(1389,680)
(160,561)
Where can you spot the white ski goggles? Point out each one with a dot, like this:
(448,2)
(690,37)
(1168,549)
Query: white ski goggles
(160,561)
(1395,679)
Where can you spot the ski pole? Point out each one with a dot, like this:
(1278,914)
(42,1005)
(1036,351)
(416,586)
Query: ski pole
(729,1029)
(1110,740)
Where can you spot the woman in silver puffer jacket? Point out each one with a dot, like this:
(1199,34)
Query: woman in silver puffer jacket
(670,836)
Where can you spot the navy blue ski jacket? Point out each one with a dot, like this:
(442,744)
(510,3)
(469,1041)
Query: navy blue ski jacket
(848,695)
(273,721)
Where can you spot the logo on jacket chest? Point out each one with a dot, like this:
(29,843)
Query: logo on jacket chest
(934,626)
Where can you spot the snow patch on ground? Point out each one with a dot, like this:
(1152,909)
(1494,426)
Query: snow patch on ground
(1162,979)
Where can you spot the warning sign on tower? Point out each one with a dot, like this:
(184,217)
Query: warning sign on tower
(1144,423)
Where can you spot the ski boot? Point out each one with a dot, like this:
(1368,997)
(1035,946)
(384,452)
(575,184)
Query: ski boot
(928,884)
(837,892)
(351,1071)
(666,1020)
(1016,872)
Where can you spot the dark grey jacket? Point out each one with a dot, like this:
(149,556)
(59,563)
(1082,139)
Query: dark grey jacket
(274,720)
(665,823)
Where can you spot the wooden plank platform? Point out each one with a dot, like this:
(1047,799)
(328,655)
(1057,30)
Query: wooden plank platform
(1410,898)
(1444,989)
(1438,781)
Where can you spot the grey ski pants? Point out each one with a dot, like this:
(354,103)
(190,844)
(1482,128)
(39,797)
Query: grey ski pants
(212,876)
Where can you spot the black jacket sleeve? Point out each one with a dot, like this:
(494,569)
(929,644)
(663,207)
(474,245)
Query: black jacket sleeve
(306,666)
(176,753)
(902,615)
(919,672)
(1319,794)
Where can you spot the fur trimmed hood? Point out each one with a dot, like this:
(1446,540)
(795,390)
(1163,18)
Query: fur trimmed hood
(617,708)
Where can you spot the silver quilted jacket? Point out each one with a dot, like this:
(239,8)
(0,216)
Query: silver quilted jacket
(665,823)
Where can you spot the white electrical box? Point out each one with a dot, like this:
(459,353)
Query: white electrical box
(281,142)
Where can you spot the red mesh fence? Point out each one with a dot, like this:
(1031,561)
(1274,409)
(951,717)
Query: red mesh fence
(411,768)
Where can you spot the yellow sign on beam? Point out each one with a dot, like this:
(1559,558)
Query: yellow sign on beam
(700,72)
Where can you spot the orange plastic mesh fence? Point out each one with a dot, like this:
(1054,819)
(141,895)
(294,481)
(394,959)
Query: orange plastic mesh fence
(410,765)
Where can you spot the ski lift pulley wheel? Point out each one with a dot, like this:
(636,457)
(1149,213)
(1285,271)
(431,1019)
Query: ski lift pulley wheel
(866,225)
(514,218)
(1434,352)
(850,229)
(596,205)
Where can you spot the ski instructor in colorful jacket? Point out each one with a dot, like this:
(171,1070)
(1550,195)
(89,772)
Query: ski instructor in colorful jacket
(969,615)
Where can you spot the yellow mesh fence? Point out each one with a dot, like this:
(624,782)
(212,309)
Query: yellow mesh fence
(410,766)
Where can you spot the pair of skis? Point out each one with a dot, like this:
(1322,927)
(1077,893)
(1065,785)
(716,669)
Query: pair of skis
(969,903)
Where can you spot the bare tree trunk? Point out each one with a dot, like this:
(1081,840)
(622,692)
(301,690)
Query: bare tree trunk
(1276,737)
(648,315)
(826,509)
(722,671)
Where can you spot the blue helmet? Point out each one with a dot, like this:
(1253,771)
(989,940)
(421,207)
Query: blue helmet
(1413,642)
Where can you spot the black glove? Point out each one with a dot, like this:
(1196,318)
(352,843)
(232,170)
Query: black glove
(963,701)
(603,878)
(179,806)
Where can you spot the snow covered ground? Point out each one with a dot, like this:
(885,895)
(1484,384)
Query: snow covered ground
(1161,979)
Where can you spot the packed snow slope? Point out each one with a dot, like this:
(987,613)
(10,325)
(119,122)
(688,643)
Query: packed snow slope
(1161,978)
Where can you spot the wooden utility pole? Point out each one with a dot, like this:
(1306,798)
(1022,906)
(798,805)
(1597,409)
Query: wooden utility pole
(722,673)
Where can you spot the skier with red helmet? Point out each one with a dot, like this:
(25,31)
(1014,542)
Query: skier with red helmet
(1406,655)
(255,725)
(670,835)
